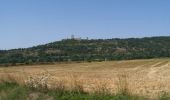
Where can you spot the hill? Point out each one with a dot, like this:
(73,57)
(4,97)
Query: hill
(89,50)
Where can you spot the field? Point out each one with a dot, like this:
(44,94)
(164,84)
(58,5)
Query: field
(149,78)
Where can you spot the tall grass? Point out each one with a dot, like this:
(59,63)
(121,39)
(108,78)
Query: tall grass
(164,96)
(123,85)
(36,88)
(13,91)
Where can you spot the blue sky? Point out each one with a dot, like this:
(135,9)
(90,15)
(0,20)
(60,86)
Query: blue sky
(25,23)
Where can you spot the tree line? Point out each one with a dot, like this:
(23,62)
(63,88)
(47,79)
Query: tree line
(68,50)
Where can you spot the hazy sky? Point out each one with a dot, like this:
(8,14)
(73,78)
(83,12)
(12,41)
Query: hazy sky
(24,23)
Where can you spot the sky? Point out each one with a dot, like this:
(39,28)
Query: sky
(26,23)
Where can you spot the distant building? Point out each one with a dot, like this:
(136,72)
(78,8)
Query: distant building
(72,36)
(78,39)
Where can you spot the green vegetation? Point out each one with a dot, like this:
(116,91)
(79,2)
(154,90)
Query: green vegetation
(13,91)
(89,50)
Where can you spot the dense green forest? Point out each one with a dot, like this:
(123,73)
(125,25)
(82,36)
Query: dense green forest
(68,50)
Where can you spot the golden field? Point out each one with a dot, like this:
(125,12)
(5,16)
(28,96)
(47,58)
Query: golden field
(142,77)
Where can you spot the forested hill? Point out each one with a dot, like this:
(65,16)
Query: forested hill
(89,50)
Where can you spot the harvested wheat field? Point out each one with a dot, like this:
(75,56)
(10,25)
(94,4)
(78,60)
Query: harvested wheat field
(142,77)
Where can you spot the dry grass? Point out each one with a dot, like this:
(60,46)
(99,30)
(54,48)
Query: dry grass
(122,84)
(139,77)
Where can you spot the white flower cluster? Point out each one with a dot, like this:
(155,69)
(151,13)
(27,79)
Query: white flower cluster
(37,81)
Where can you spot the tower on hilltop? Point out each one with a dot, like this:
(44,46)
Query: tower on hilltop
(72,36)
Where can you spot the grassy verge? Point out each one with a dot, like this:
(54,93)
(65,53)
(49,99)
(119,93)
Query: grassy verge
(36,88)
(13,91)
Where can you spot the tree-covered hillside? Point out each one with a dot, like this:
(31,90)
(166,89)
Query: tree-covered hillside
(89,50)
